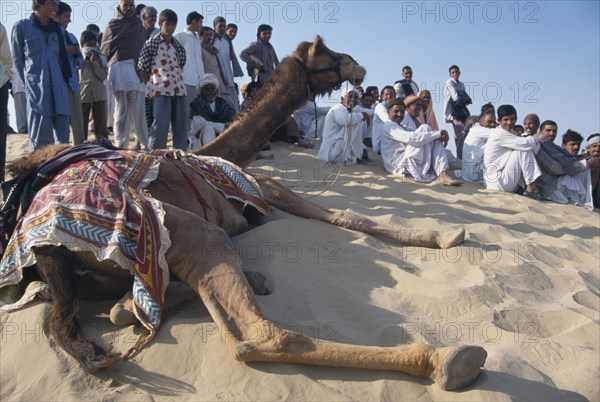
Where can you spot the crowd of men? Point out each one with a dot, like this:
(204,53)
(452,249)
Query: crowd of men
(492,149)
(137,77)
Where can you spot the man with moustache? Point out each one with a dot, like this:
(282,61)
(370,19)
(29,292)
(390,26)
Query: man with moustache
(411,148)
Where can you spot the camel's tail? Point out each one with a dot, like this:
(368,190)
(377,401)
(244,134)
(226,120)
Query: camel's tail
(55,265)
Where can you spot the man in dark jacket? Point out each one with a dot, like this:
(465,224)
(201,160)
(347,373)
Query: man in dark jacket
(565,176)
(210,113)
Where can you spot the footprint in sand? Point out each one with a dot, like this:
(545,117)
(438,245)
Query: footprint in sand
(538,324)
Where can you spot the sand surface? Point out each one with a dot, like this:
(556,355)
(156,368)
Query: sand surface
(525,285)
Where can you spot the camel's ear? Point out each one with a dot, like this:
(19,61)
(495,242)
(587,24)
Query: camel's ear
(316,46)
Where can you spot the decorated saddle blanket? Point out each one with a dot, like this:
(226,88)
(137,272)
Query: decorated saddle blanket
(99,206)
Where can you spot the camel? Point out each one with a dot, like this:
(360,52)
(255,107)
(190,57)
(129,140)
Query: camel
(173,234)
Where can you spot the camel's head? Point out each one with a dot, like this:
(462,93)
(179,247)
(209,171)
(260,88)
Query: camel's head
(327,69)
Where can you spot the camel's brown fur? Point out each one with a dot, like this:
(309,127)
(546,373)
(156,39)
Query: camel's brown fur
(217,278)
(287,89)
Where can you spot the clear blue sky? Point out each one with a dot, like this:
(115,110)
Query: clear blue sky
(541,56)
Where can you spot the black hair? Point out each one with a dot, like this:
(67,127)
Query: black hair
(548,122)
(262,28)
(63,8)
(193,16)
(571,135)
(454,66)
(87,36)
(387,87)
(205,28)
(252,85)
(92,27)
(218,19)
(488,107)
(167,15)
(506,110)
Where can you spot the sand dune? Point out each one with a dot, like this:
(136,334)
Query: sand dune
(525,285)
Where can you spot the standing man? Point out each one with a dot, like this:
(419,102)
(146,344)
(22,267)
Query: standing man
(228,61)
(76,62)
(456,100)
(122,42)
(406,86)
(41,59)
(210,60)
(193,71)
(148,16)
(231,30)
(260,55)
(5,77)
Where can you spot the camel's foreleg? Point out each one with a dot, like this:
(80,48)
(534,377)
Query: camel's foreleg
(55,265)
(202,256)
(283,198)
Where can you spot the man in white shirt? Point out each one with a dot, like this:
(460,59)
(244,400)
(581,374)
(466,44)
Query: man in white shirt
(380,116)
(419,151)
(305,117)
(193,71)
(366,105)
(510,160)
(342,134)
(531,123)
(406,86)
(472,162)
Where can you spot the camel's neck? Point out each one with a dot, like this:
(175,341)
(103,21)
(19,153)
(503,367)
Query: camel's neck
(284,93)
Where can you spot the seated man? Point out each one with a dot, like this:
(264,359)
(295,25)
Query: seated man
(510,160)
(366,105)
(380,115)
(565,175)
(418,152)
(309,118)
(472,164)
(531,124)
(210,113)
(342,134)
(592,154)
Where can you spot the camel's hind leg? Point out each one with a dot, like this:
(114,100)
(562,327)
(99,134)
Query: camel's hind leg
(55,265)
(202,256)
(288,201)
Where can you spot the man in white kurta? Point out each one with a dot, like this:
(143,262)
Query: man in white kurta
(380,116)
(193,70)
(510,160)
(472,162)
(342,132)
(411,150)
(305,117)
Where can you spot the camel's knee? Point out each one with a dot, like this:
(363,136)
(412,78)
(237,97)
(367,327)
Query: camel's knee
(122,312)
(266,343)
